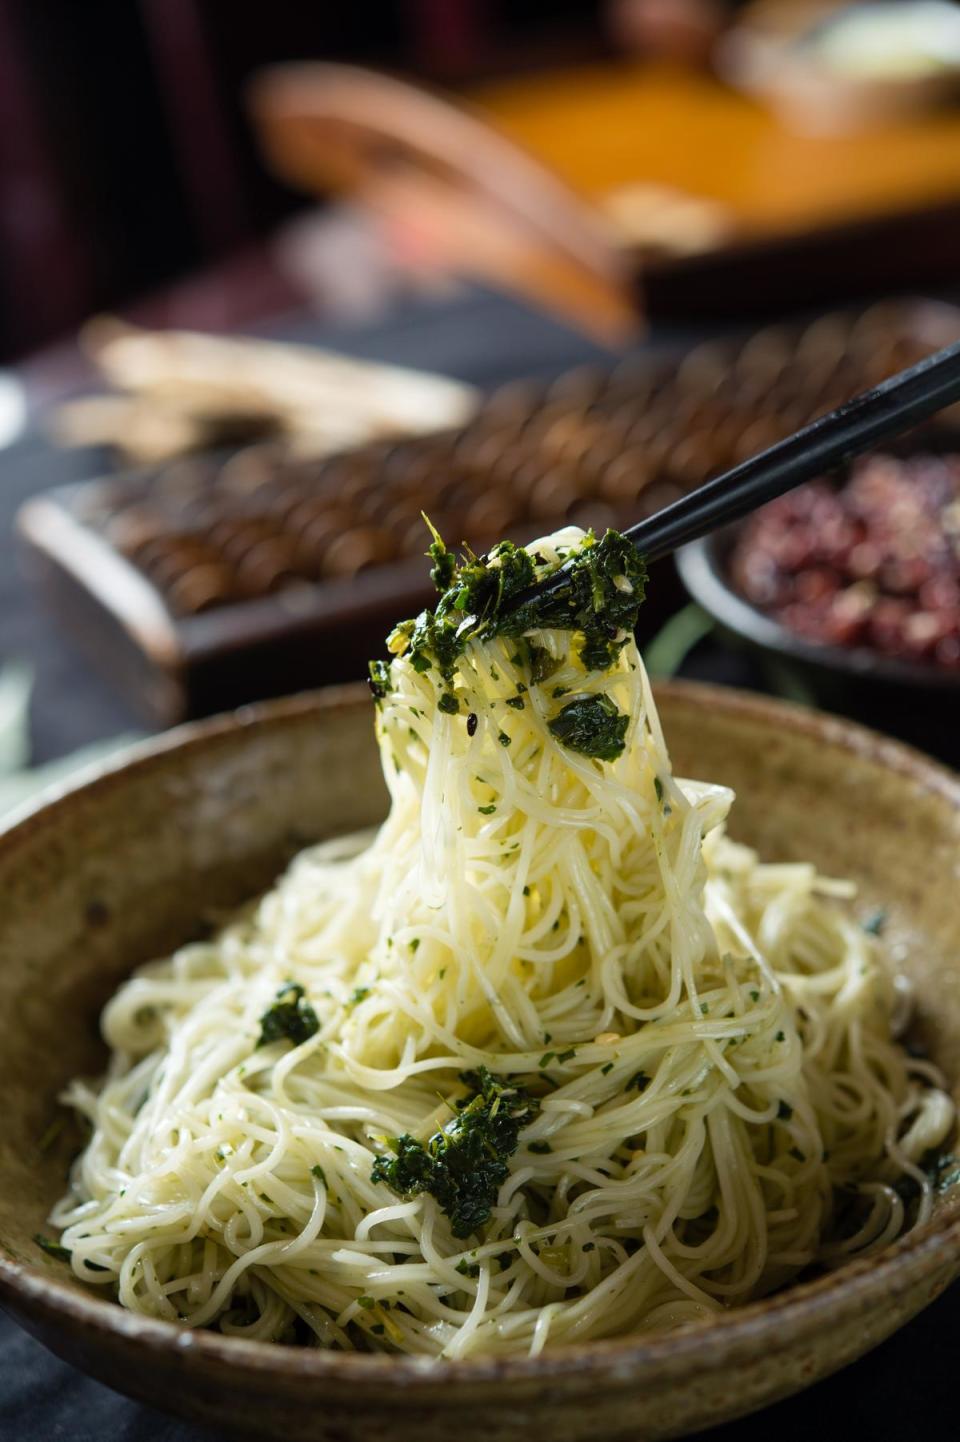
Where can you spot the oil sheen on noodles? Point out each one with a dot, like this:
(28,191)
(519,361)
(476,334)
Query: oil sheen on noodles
(718,1100)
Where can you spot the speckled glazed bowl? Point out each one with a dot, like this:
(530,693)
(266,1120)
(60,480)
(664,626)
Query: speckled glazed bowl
(129,864)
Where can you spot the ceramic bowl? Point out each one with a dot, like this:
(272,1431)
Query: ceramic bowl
(131,863)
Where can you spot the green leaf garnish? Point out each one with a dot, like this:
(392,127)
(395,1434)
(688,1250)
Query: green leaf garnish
(464,1165)
(290,1018)
(592,725)
(605,583)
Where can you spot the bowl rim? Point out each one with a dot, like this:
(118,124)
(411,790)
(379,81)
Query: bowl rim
(702,571)
(797,1311)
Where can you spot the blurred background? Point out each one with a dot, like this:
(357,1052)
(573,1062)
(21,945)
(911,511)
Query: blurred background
(277,280)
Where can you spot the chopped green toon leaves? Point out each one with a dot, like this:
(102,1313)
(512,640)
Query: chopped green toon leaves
(379,678)
(605,587)
(290,1018)
(592,725)
(542,664)
(606,581)
(62,1254)
(444,569)
(464,1165)
(52,1249)
(942,1169)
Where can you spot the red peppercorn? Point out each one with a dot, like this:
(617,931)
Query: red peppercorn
(875,561)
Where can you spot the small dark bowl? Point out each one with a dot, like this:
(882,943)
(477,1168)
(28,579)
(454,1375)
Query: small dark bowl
(915,702)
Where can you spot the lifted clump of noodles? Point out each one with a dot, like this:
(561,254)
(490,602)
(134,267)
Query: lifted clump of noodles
(547,1058)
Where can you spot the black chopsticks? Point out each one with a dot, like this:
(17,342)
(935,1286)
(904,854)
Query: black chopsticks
(858,425)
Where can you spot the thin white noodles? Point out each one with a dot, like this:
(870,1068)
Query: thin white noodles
(711,1039)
